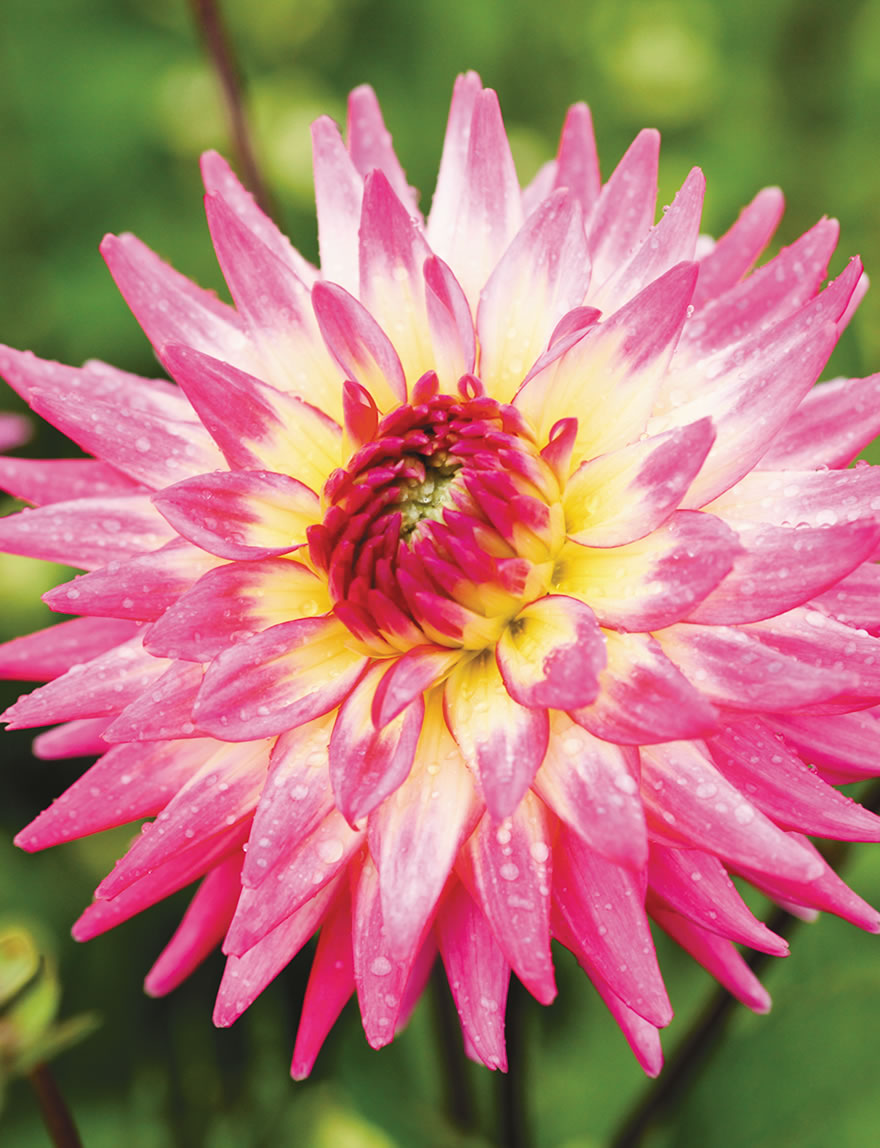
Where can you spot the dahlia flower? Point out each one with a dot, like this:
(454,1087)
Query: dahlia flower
(503,581)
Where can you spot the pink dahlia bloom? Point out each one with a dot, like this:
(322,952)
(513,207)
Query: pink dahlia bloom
(502,581)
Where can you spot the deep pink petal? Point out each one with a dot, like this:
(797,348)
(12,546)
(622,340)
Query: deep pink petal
(41,481)
(164,710)
(625,209)
(47,654)
(736,251)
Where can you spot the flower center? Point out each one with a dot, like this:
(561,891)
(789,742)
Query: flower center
(442,526)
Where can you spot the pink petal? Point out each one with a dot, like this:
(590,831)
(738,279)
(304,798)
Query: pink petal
(367,764)
(233,602)
(338,193)
(718,956)
(823,431)
(783,567)
(331,983)
(625,208)
(415,835)
(221,794)
(757,762)
(446,204)
(477,972)
(843,745)
(86,532)
(141,588)
(219,178)
(127,783)
(542,276)
(295,672)
(551,654)
(449,317)
(656,581)
(359,345)
(48,654)
(622,496)
(736,250)
(502,741)
(689,802)
(78,738)
(201,929)
(734,667)
(169,307)
(164,710)
(159,883)
(696,885)
(409,676)
(255,425)
(671,241)
(577,164)
(96,688)
(245,977)
(240,514)
(816,498)
(601,905)
(41,481)
(593,786)
(369,144)
(507,869)
(380,976)
(644,698)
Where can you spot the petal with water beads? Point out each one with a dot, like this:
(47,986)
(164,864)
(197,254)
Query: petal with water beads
(506,867)
(366,763)
(339,189)
(689,802)
(735,252)
(551,653)
(47,654)
(502,741)
(42,481)
(644,698)
(279,679)
(234,601)
(602,906)
(624,211)
(241,514)
(593,786)
(164,710)
(822,431)
(415,834)
(478,974)
(359,345)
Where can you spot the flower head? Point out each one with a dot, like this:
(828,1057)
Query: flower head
(502,581)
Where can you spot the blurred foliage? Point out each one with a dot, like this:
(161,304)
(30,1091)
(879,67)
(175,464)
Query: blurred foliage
(104,107)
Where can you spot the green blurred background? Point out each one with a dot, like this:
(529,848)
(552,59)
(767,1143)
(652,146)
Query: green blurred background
(104,108)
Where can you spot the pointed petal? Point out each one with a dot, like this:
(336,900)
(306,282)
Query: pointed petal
(338,194)
(577,164)
(688,801)
(625,208)
(446,203)
(127,783)
(295,672)
(420,668)
(87,532)
(843,744)
(736,250)
(241,514)
(656,581)
(551,654)
(234,601)
(415,835)
(165,710)
(359,345)
(41,481)
(477,972)
(201,929)
(602,906)
(367,764)
(542,276)
(644,698)
(502,741)
(622,496)
(593,786)
(507,868)
(331,983)
(49,653)
(78,738)
(834,421)
(255,425)
(814,497)
(452,327)
(369,144)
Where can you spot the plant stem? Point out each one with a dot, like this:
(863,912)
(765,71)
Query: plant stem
(56,1115)
(694,1051)
(219,47)
(513,1121)
(459,1099)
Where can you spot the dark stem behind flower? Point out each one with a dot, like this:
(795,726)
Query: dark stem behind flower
(514,1130)
(210,22)
(56,1115)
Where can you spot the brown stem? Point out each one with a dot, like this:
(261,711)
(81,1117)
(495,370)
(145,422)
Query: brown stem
(694,1051)
(210,22)
(459,1100)
(56,1115)
(513,1094)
